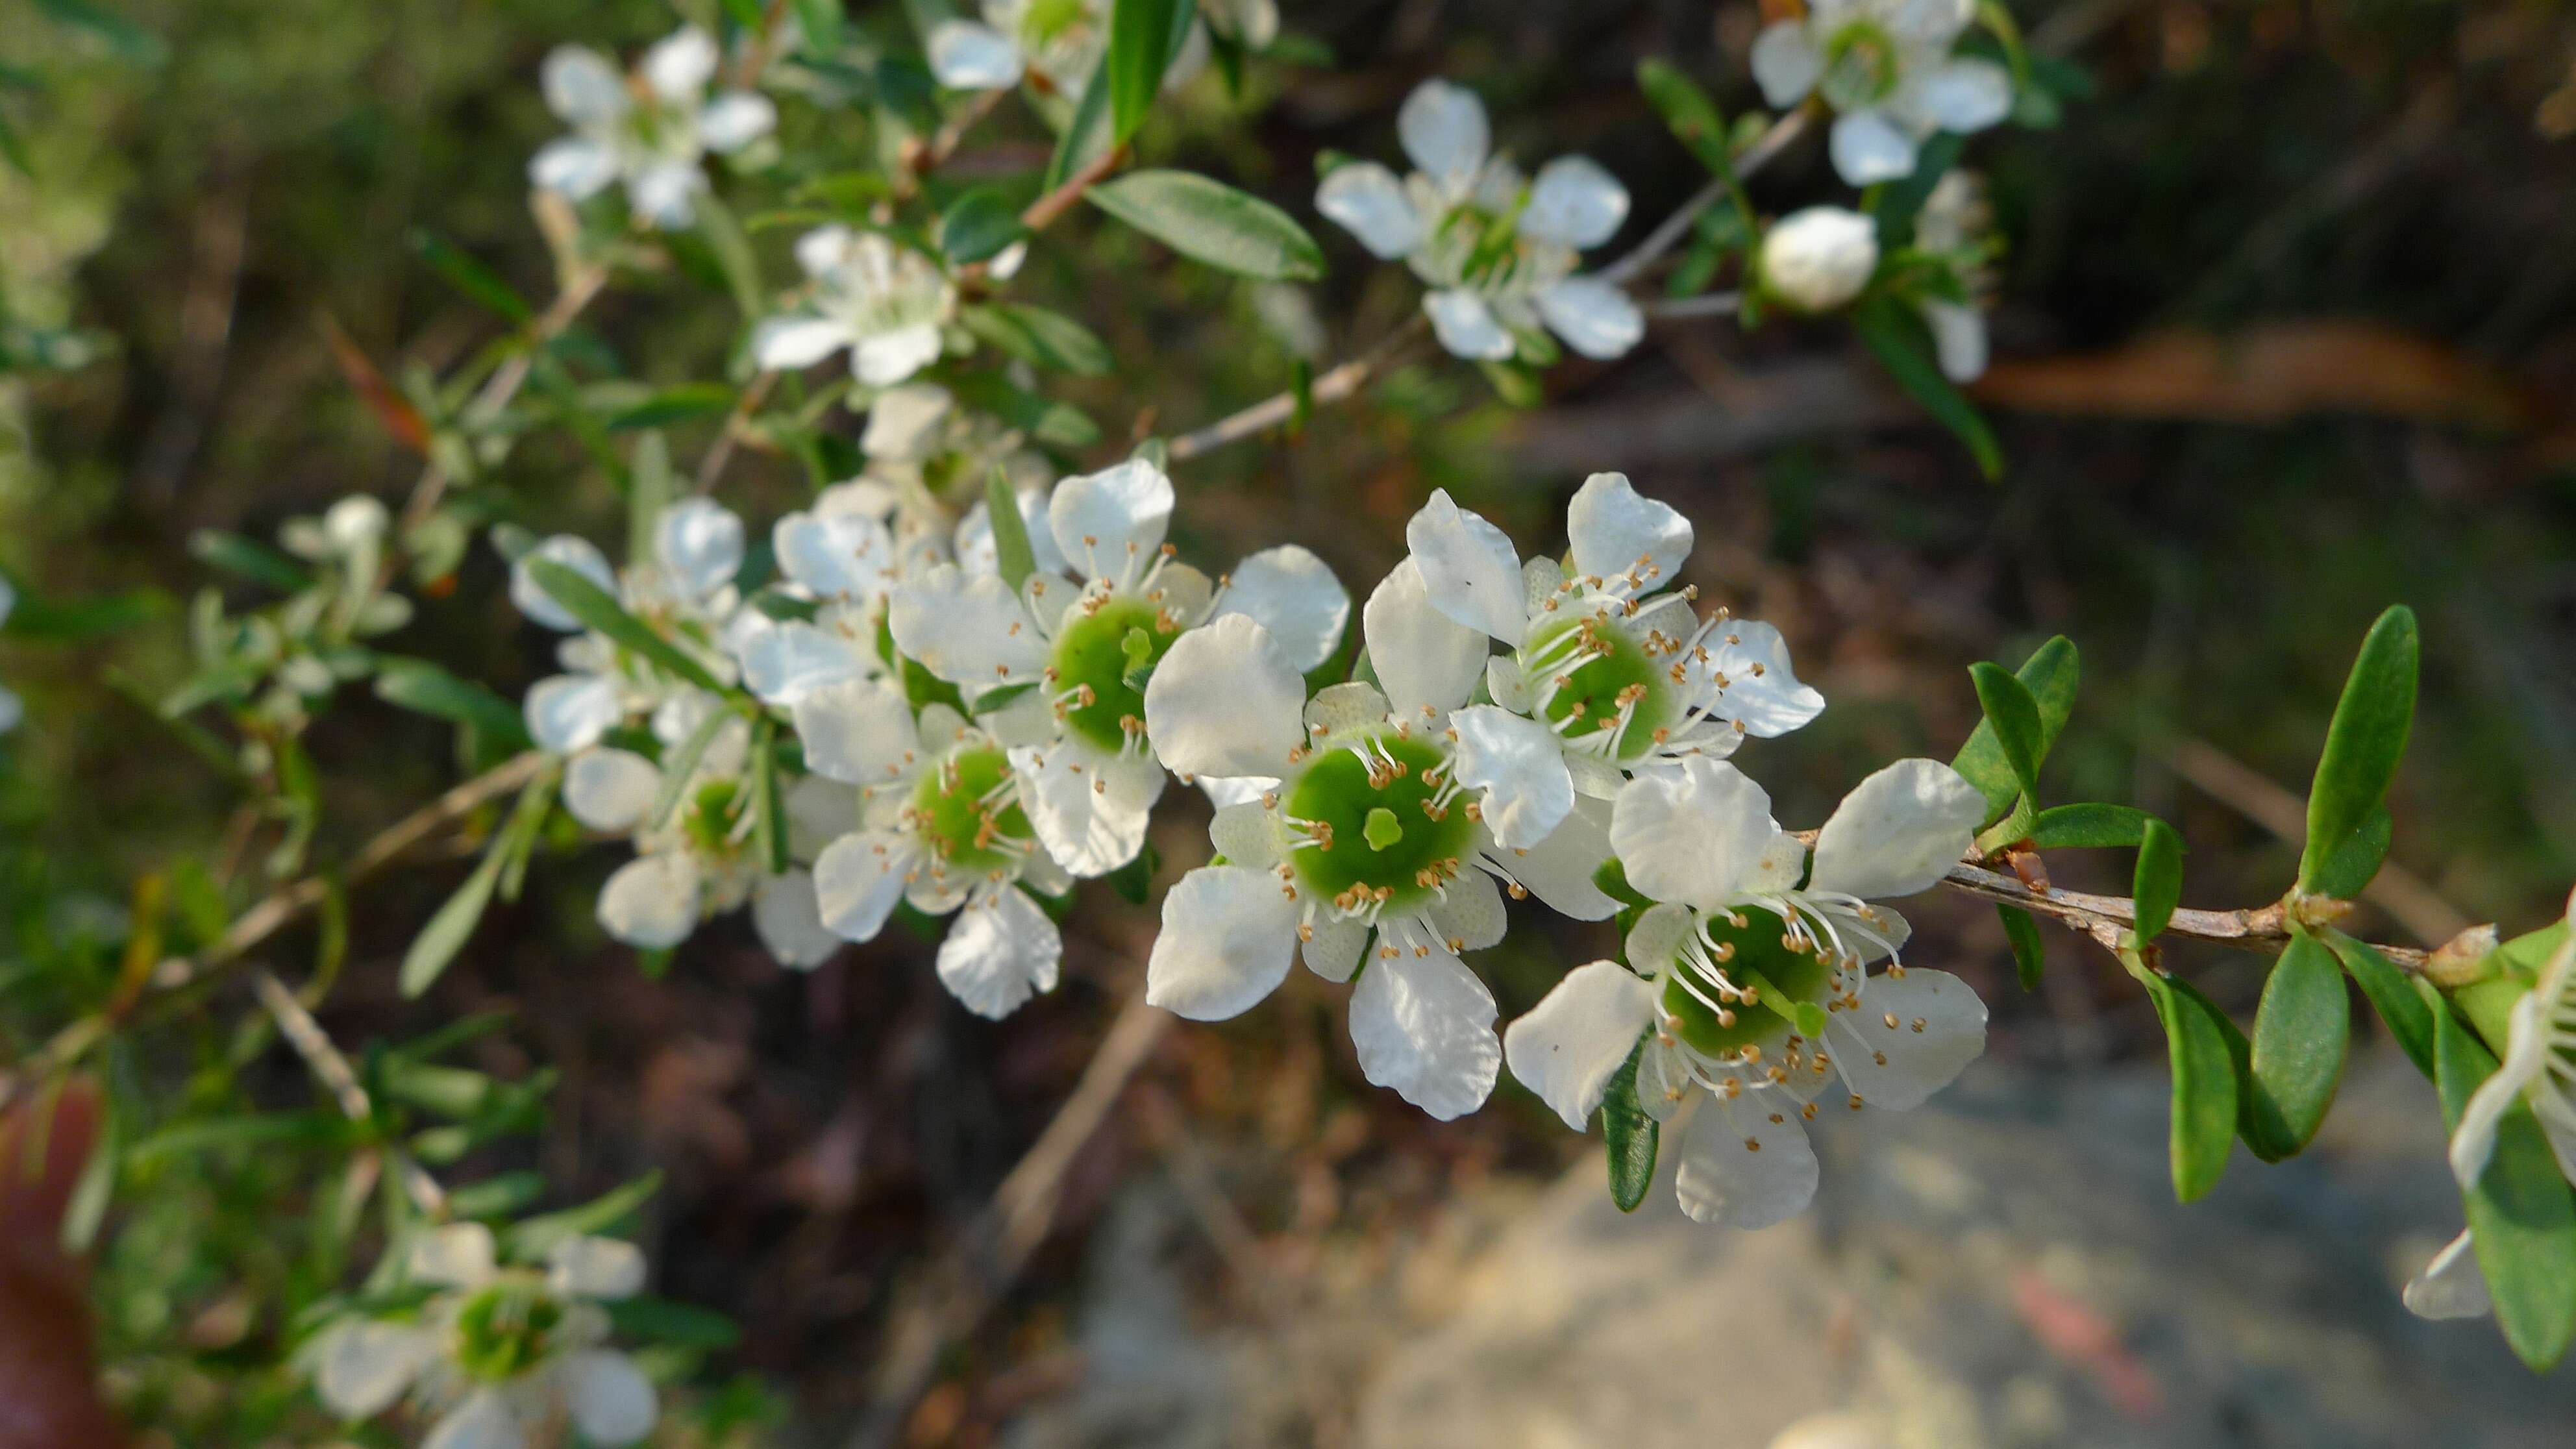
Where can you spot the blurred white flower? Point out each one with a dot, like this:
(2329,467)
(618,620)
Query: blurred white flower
(1497,251)
(649,135)
(885,303)
(1820,258)
(1886,70)
(499,1352)
(1060,42)
(1953,227)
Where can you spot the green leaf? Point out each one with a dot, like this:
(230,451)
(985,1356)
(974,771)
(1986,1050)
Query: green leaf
(533,1238)
(1212,222)
(732,248)
(1039,337)
(497,1196)
(2013,714)
(680,763)
(2521,1215)
(2355,862)
(673,405)
(650,487)
(2158,883)
(426,688)
(647,1319)
(1087,136)
(769,828)
(1689,111)
(478,282)
(2302,1032)
(2363,743)
(131,42)
(2400,1006)
(1011,549)
(249,559)
(1897,336)
(597,609)
(1144,35)
(2051,674)
(2204,1085)
(978,225)
(1044,420)
(447,932)
(2089,827)
(2030,957)
(821,21)
(1630,1134)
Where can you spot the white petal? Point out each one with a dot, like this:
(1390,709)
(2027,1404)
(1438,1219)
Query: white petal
(1559,869)
(578,554)
(610,789)
(904,421)
(966,56)
(1426,659)
(1569,1045)
(1333,951)
(1424,1025)
(1294,595)
(609,1397)
(1444,130)
(1338,709)
(783,344)
(825,249)
(365,1365)
(1781,866)
(1001,951)
(587,1267)
(835,555)
(1739,1168)
(680,64)
(651,903)
(574,167)
(1469,912)
(1367,201)
(1940,1028)
(971,631)
(1574,203)
(887,358)
(1245,834)
(1897,832)
(1104,521)
(1614,528)
(736,119)
(582,86)
(1965,94)
(1088,807)
(859,879)
(1519,764)
(1468,566)
(1505,682)
(859,732)
(699,540)
(459,1255)
(1692,835)
(1786,63)
(2451,1286)
(483,1421)
(1466,326)
(2528,1056)
(1958,338)
(788,914)
(1762,691)
(1225,701)
(1868,148)
(1595,318)
(1227,935)
(819,811)
(665,194)
(786,663)
(568,712)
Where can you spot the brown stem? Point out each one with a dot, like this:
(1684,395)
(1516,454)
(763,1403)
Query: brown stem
(334,1072)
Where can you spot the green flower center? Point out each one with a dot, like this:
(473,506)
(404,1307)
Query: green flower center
(1103,655)
(506,1329)
(710,815)
(1860,66)
(1791,986)
(1385,821)
(966,808)
(1598,686)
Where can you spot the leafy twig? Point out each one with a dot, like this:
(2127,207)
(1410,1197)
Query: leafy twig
(332,1069)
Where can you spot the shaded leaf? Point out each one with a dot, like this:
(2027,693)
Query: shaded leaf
(2050,673)
(978,225)
(2089,827)
(1630,1135)
(1206,219)
(468,275)
(447,932)
(2158,883)
(1896,335)
(597,609)
(1012,551)
(2302,1032)
(1144,36)
(2363,743)
(1039,337)
(2204,1085)
(2030,957)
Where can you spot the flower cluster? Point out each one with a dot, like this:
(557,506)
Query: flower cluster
(1889,71)
(650,133)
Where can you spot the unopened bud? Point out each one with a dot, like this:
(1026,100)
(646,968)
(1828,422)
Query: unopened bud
(2462,959)
(1820,258)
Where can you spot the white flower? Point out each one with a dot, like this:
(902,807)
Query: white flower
(885,303)
(1497,252)
(1754,989)
(841,555)
(1886,69)
(941,827)
(499,1352)
(650,137)
(1362,844)
(1820,258)
(1953,227)
(1609,671)
(685,593)
(1075,652)
(2539,1069)
(1060,42)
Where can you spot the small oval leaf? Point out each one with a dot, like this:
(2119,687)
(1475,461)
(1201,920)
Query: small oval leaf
(1213,223)
(2364,742)
(2302,1032)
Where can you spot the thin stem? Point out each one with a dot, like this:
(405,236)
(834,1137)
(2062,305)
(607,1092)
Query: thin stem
(2105,918)
(721,451)
(1707,304)
(332,1069)
(1668,233)
(1333,386)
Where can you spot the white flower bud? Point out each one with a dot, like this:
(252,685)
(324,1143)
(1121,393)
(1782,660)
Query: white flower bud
(1820,258)
(355,521)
